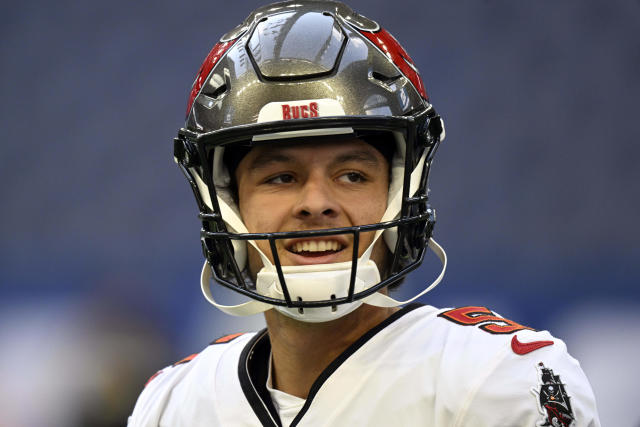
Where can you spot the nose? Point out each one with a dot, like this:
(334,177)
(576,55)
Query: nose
(315,201)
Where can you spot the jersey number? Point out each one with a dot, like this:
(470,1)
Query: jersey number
(485,318)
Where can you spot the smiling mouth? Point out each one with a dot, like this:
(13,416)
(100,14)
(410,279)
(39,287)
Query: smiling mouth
(316,248)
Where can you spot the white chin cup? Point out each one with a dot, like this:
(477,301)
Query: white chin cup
(317,283)
(365,274)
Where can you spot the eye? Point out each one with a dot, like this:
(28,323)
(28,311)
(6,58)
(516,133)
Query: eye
(283,178)
(352,177)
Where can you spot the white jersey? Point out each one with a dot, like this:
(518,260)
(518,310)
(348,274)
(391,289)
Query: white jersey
(420,367)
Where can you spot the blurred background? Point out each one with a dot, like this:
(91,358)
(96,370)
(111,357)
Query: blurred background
(537,188)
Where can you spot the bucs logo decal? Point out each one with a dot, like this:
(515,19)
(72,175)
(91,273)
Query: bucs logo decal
(554,403)
(299,111)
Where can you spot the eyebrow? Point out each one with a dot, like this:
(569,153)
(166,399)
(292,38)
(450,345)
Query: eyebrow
(267,158)
(363,156)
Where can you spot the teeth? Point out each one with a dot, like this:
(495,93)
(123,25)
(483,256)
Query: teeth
(316,246)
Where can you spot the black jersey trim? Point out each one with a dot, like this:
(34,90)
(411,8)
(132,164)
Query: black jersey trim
(252,371)
(333,366)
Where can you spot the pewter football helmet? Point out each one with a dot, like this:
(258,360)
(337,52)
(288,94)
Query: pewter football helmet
(302,70)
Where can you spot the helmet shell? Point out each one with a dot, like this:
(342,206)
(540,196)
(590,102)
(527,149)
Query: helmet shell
(303,50)
(297,54)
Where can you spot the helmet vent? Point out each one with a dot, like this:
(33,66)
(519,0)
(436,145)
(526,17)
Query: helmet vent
(311,45)
(384,79)
(216,93)
(300,309)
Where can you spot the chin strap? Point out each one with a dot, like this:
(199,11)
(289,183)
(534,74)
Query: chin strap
(377,299)
(245,309)
(381,300)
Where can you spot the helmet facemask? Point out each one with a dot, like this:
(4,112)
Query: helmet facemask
(318,292)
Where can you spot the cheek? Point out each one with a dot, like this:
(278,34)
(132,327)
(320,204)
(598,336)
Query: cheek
(255,216)
(370,207)
(261,215)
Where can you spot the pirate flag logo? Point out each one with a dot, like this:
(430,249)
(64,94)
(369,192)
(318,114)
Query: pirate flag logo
(553,400)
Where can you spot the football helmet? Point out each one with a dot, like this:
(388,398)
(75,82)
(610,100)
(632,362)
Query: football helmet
(295,71)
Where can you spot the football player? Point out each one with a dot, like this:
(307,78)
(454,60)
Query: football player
(308,143)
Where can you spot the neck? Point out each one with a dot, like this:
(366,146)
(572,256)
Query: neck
(301,351)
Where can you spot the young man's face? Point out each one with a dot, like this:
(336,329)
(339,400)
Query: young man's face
(293,187)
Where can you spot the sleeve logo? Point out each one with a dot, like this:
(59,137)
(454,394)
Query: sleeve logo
(523,348)
(554,403)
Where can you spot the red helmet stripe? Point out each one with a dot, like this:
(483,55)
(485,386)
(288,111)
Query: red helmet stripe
(390,46)
(210,61)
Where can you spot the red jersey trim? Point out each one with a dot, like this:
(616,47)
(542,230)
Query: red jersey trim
(227,338)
